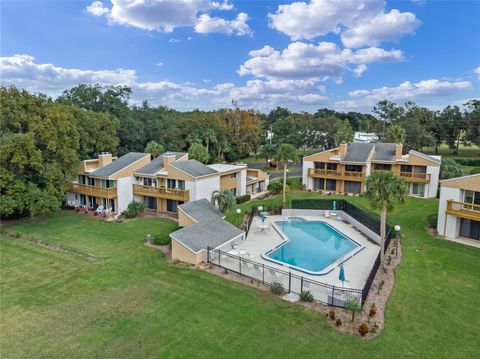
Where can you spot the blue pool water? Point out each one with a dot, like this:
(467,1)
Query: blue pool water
(312,245)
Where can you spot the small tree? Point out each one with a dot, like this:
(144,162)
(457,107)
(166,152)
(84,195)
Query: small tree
(154,148)
(198,152)
(267,151)
(384,190)
(450,169)
(286,152)
(354,307)
(223,200)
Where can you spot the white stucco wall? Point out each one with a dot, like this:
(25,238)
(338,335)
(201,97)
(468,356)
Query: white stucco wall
(242,183)
(453,223)
(431,190)
(306,180)
(124,192)
(205,187)
(191,186)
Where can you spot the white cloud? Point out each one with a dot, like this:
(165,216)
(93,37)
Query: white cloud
(477,71)
(406,91)
(238,26)
(321,61)
(174,41)
(23,71)
(383,27)
(159,64)
(358,22)
(97,8)
(166,15)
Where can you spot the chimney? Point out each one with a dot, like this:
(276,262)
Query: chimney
(398,151)
(104,159)
(342,150)
(168,159)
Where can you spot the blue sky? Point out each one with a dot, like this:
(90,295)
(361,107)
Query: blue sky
(184,54)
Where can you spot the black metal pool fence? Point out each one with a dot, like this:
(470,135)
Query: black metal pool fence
(324,293)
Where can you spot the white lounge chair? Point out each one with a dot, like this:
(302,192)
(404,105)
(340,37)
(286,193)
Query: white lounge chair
(327,214)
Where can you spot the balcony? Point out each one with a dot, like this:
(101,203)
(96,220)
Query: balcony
(161,192)
(416,177)
(93,190)
(337,174)
(463,210)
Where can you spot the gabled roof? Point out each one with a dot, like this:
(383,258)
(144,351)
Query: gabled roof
(193,168)
(471,182)
(385,152)
(427,157)
(201,235)
(157,164)
(222,168)
(119,164)
(201,210)
(358,152)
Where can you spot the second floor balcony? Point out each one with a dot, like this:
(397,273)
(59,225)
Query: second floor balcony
(336,174)
(416,177)
(161,192)
(93,191)
(463,210)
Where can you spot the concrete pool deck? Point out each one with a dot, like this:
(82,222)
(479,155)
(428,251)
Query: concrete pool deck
(357,268)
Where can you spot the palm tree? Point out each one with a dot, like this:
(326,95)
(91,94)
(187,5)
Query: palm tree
(223,200)
(384,189)
(395,134)
(285,152)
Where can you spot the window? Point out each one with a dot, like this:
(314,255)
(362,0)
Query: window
(383,167)
(81,179)
(319,183)
(319,165)
(470,228)
(91,181)
(472,197)
(170,183)
(181,184)
(150,202)
(353,168)
(332,166)
(420,169)
(418,189)
(352,187)
(171,205)
(331,185)
(233,175)
(406,168)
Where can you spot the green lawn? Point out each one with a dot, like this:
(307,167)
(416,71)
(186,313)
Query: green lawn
(463,152)
(134,304)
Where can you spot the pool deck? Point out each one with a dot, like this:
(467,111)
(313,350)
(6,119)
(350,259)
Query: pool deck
(356,268)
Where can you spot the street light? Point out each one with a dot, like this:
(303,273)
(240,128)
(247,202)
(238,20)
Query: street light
(397,230)
(238,216)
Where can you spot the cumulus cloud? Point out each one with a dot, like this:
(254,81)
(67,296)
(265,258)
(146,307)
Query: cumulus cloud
(406,91)
(358,22)
(477,71)
(23,71)
(238,26)
(321,61)
(97,8)
(166,15)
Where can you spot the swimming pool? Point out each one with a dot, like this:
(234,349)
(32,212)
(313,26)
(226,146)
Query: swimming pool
(312,246)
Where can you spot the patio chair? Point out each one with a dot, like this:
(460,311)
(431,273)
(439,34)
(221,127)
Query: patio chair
(99,209)
(327,213)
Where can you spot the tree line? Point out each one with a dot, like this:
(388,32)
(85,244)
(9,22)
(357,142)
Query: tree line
(43,139)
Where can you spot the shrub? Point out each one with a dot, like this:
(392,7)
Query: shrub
(450,169)
(374,328)
(306,296)
(276,288)
(294,183)
(332,314)
(161,239)
(338,322)
(432,220)
(275,187)
(17,235)
(373,310)
(468,161)
(363,329)
(354,307)
(134,209)
(475,170)
(243,199)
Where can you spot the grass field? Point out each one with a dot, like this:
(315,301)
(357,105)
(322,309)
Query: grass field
(134,304)
(463,152)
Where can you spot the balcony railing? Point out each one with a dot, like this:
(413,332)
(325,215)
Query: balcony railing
(337,174)
(93,190)
(161,192)
(464,210)
(416,176)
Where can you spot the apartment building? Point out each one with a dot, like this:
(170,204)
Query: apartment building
(459,208)
(344,169)
(106,181)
